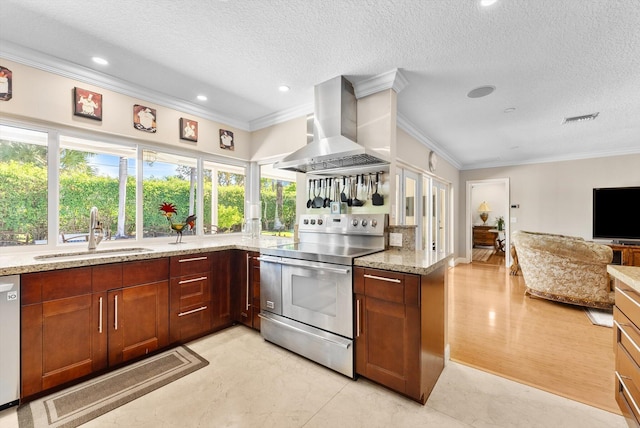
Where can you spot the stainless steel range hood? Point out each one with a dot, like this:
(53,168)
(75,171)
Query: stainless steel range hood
(334,145)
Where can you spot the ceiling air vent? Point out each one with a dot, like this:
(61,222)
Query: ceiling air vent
(584,118)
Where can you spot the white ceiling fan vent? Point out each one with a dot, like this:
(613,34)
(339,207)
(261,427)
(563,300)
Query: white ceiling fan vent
(583,118)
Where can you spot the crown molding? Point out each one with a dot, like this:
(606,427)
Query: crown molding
(403,123)
(551,159)
(393,79)
(50,64)
(280,116)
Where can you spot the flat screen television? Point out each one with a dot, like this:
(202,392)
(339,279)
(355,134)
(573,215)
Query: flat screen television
(615,214)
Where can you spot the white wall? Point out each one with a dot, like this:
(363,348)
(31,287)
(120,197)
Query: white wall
(494,194)
(556,197)
(42,97)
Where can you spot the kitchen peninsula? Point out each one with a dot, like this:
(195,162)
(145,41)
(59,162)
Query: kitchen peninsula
(387,284)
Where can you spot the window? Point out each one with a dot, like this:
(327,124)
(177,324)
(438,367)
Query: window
(277,201)
(94,173)
(49,183)
(224,196)
(167,178)
(23,186)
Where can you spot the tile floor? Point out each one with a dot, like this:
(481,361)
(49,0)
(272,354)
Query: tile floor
(252,383)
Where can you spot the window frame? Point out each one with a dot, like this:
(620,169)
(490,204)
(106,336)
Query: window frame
(54,135)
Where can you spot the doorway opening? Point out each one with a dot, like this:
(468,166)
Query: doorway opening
(487,221)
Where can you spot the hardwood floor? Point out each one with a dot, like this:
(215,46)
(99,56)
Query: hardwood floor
(493,326)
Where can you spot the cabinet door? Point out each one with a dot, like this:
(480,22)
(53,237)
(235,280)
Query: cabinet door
(255,290)
(244,284)
(388,329)
(221,289)
(138,320)
(62,338)
(634,257)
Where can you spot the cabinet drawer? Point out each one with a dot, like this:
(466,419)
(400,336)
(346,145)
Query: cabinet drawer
(145,272)
(190,264)
(190,290)
(389,286)
(627,300)
(59,284)
(627,395)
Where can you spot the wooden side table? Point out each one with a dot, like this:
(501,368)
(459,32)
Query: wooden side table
(483,236)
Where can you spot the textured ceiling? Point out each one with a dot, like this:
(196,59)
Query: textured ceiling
(548,59)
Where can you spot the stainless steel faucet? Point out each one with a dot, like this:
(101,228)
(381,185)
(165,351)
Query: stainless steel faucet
(94,224)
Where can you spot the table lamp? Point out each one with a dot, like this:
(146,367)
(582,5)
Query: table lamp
(484,209)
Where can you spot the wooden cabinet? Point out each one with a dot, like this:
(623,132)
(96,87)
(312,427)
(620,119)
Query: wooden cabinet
(626,255)
(82,320)
(139,311)
(626,314)
(482,236)
(63,328)
(222,276)
(249,288)
(190,308)
(399,322)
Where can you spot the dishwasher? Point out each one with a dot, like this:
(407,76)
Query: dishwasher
(9,340)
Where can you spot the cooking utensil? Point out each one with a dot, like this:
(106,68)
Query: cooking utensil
(318,201)
(359,180)
(343,197)
(309,202)
(377,198)
(350,185)
(327,193)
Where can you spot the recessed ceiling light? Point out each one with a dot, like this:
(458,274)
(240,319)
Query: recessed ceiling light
(100,61)
(202,97)
(480,92)
(486,3)
(283,88)
(509,109)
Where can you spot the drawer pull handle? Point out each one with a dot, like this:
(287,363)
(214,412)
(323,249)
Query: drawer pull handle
(194,259)
(627,336)
(186,281)
(333,342)
(115,321)
(357,317)
(628,392)
(382,278)
(192,311)
(100,318)
(624,293)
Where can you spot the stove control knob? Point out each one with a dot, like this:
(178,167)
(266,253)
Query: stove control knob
(320,222)
(374,223)
(355,222)
(305,221)
(364,223)
(313,221)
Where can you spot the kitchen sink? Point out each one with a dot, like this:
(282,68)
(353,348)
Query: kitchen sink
(108,252)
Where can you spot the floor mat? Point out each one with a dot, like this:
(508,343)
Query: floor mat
(81,403)
(603,317)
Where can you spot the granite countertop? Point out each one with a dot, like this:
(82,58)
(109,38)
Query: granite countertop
(406,261)
(24,262)
(630,275)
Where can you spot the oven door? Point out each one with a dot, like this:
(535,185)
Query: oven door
(318,294)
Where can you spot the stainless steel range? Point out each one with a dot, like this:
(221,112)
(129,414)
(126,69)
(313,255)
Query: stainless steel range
(306,288)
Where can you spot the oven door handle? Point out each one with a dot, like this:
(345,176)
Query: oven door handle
(303,266)
(333,342)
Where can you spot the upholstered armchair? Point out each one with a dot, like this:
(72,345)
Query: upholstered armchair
(565,269)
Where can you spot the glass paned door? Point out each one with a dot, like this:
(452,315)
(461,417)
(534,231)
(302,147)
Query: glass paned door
(439,219)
